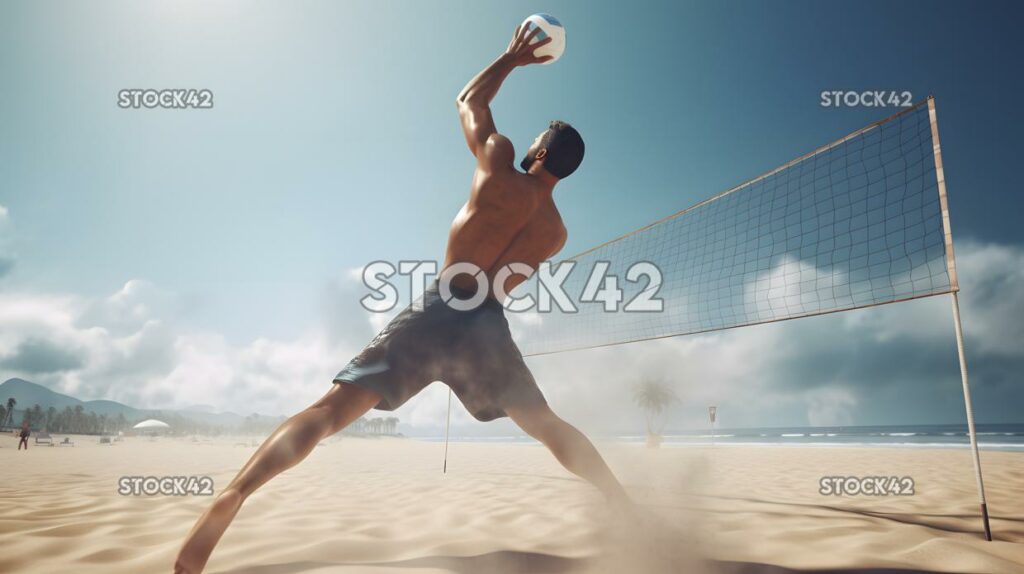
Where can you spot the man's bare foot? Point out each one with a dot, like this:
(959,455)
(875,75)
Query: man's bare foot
(621,502)
(204,536)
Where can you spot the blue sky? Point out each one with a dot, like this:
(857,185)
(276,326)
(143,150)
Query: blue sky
(334,142)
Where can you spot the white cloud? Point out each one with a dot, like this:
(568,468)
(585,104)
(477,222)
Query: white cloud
(992,297)
(3,213)
(133,355)
(128,309)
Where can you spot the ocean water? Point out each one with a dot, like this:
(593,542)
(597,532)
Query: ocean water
(1009,437)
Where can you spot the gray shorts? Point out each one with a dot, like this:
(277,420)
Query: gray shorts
(470,351)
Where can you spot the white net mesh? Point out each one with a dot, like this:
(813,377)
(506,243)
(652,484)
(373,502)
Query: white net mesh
(853,224)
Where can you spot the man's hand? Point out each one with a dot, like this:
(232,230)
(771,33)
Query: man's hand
(521,50)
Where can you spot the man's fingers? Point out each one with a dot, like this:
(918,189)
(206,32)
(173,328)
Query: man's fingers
(524,32)
(522,43)
(543,42)
(532,34)
(533,47)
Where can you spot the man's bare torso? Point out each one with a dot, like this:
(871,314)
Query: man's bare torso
(509,218)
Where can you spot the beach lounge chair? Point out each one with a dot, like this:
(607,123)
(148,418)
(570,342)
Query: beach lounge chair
(66,442)
(44,438)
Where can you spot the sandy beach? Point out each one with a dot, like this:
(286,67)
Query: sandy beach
(383,506)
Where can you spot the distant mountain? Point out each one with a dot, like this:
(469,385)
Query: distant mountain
(101,407)
(29,394)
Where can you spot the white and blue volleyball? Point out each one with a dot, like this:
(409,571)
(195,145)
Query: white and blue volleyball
(550,27)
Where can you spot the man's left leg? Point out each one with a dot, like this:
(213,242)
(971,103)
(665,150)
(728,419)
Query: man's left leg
(283,449)
(571,447)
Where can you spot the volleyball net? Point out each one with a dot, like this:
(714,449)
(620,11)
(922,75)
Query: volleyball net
(859,222)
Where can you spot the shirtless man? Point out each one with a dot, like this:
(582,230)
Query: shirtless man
(510,217)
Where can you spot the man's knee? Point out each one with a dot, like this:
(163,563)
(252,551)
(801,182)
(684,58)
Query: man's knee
(537,421)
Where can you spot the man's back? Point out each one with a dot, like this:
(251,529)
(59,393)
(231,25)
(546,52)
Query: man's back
(510,217)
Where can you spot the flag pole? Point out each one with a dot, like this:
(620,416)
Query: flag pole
(970,414)
(447,424)
(712,411)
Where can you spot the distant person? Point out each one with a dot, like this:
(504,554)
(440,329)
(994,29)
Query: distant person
(24,435)
(510,217)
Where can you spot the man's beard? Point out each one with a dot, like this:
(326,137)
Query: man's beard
(528,159)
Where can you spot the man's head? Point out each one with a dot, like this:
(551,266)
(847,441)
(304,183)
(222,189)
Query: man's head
(559,148)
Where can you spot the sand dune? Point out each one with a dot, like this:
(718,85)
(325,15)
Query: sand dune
(383,506)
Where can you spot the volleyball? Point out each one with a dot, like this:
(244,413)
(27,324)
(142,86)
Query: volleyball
(550,27)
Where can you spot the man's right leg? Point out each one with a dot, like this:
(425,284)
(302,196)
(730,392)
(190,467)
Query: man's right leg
(288,445)
(571,447)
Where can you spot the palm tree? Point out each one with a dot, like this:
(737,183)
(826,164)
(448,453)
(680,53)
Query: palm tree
(392,425)
(66,420)
(10,410)
(78,419)
(653,397)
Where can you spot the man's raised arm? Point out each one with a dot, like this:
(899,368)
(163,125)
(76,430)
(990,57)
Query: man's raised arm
(475,99)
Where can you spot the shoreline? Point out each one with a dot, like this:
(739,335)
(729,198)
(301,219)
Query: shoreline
(673,444)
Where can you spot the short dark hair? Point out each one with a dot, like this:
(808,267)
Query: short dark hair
(565,149)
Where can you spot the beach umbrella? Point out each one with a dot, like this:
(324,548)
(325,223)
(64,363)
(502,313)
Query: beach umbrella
(152,424)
